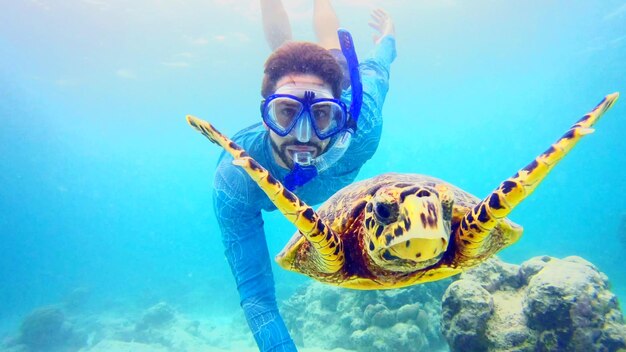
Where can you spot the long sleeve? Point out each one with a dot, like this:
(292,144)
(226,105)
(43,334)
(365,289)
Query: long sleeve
(237,207)
(375,77)
(375,72)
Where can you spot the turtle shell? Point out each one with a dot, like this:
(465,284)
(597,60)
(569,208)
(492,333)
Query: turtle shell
(344,213)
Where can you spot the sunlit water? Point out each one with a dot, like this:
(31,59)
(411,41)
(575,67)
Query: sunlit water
(105,187)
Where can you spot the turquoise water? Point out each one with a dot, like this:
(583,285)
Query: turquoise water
(104,186)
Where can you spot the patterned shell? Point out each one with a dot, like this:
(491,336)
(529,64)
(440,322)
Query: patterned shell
(344,212)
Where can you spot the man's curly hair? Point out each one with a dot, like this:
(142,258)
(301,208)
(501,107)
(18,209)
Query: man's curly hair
(301,58)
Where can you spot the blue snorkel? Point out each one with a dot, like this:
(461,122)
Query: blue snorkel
(305,170)
(347,48)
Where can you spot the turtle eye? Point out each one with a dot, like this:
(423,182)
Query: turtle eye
(386,212)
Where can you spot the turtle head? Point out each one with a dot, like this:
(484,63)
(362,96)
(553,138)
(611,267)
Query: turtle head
(407,229)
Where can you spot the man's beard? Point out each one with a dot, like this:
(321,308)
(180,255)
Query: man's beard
(283,154)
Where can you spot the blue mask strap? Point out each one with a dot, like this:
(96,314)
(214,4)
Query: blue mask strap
(299,176)
(347,48)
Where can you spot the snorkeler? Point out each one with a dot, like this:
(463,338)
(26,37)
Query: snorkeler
(313,138)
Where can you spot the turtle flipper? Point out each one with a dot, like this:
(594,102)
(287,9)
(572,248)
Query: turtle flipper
(473,236)
(326,243)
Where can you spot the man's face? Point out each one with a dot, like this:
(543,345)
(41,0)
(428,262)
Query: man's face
(284,148)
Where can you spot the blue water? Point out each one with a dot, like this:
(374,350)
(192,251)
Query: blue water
(103,184)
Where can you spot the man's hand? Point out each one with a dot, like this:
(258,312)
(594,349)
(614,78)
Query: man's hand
(382,23)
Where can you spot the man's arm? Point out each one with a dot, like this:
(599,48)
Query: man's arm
(238,211)
(375,76)
(375,69)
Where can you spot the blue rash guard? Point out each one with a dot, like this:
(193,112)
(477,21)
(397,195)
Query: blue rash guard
(238,200)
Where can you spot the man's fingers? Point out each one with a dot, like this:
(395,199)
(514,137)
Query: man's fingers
(380,13)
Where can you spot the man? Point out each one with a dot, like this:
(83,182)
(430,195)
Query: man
(302,142)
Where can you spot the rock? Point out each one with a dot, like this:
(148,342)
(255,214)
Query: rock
(495,275)
(408,312)
(371,321)
(467,307)
(384,319)
(530,267)
(397,338)
(157,316)
(546,304)
(46,329)
(571,298)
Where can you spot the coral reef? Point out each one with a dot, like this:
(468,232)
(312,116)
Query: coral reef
(162,328)
(159,326)
(545,304)
(369,321)
(47,329)
(157,316)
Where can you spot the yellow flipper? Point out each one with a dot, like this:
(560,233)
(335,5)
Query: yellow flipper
(472,236)
(326,243)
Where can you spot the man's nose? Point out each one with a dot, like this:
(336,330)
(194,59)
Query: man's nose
(303,128)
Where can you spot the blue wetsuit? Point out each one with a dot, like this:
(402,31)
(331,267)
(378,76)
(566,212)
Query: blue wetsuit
(238,200)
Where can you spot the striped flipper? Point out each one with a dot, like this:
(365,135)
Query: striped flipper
(473,234)
(326,243)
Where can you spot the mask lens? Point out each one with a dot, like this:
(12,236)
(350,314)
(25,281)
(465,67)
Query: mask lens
(328,117)
(283,112)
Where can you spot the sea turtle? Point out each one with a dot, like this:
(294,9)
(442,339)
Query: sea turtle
(396,230)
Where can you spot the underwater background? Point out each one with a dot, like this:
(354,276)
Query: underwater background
(105,191)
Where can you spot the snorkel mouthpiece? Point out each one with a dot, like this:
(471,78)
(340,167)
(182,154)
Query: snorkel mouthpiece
(302,158)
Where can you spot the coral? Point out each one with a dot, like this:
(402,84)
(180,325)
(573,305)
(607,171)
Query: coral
(162,328)
(468,307)
(46,329)
(545,304)
(371,321)
(153,326)
(158,328)
(157,316)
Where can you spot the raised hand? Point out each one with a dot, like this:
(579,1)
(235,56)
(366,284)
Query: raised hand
(382,24)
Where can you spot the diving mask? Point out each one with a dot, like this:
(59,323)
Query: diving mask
(282,112)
